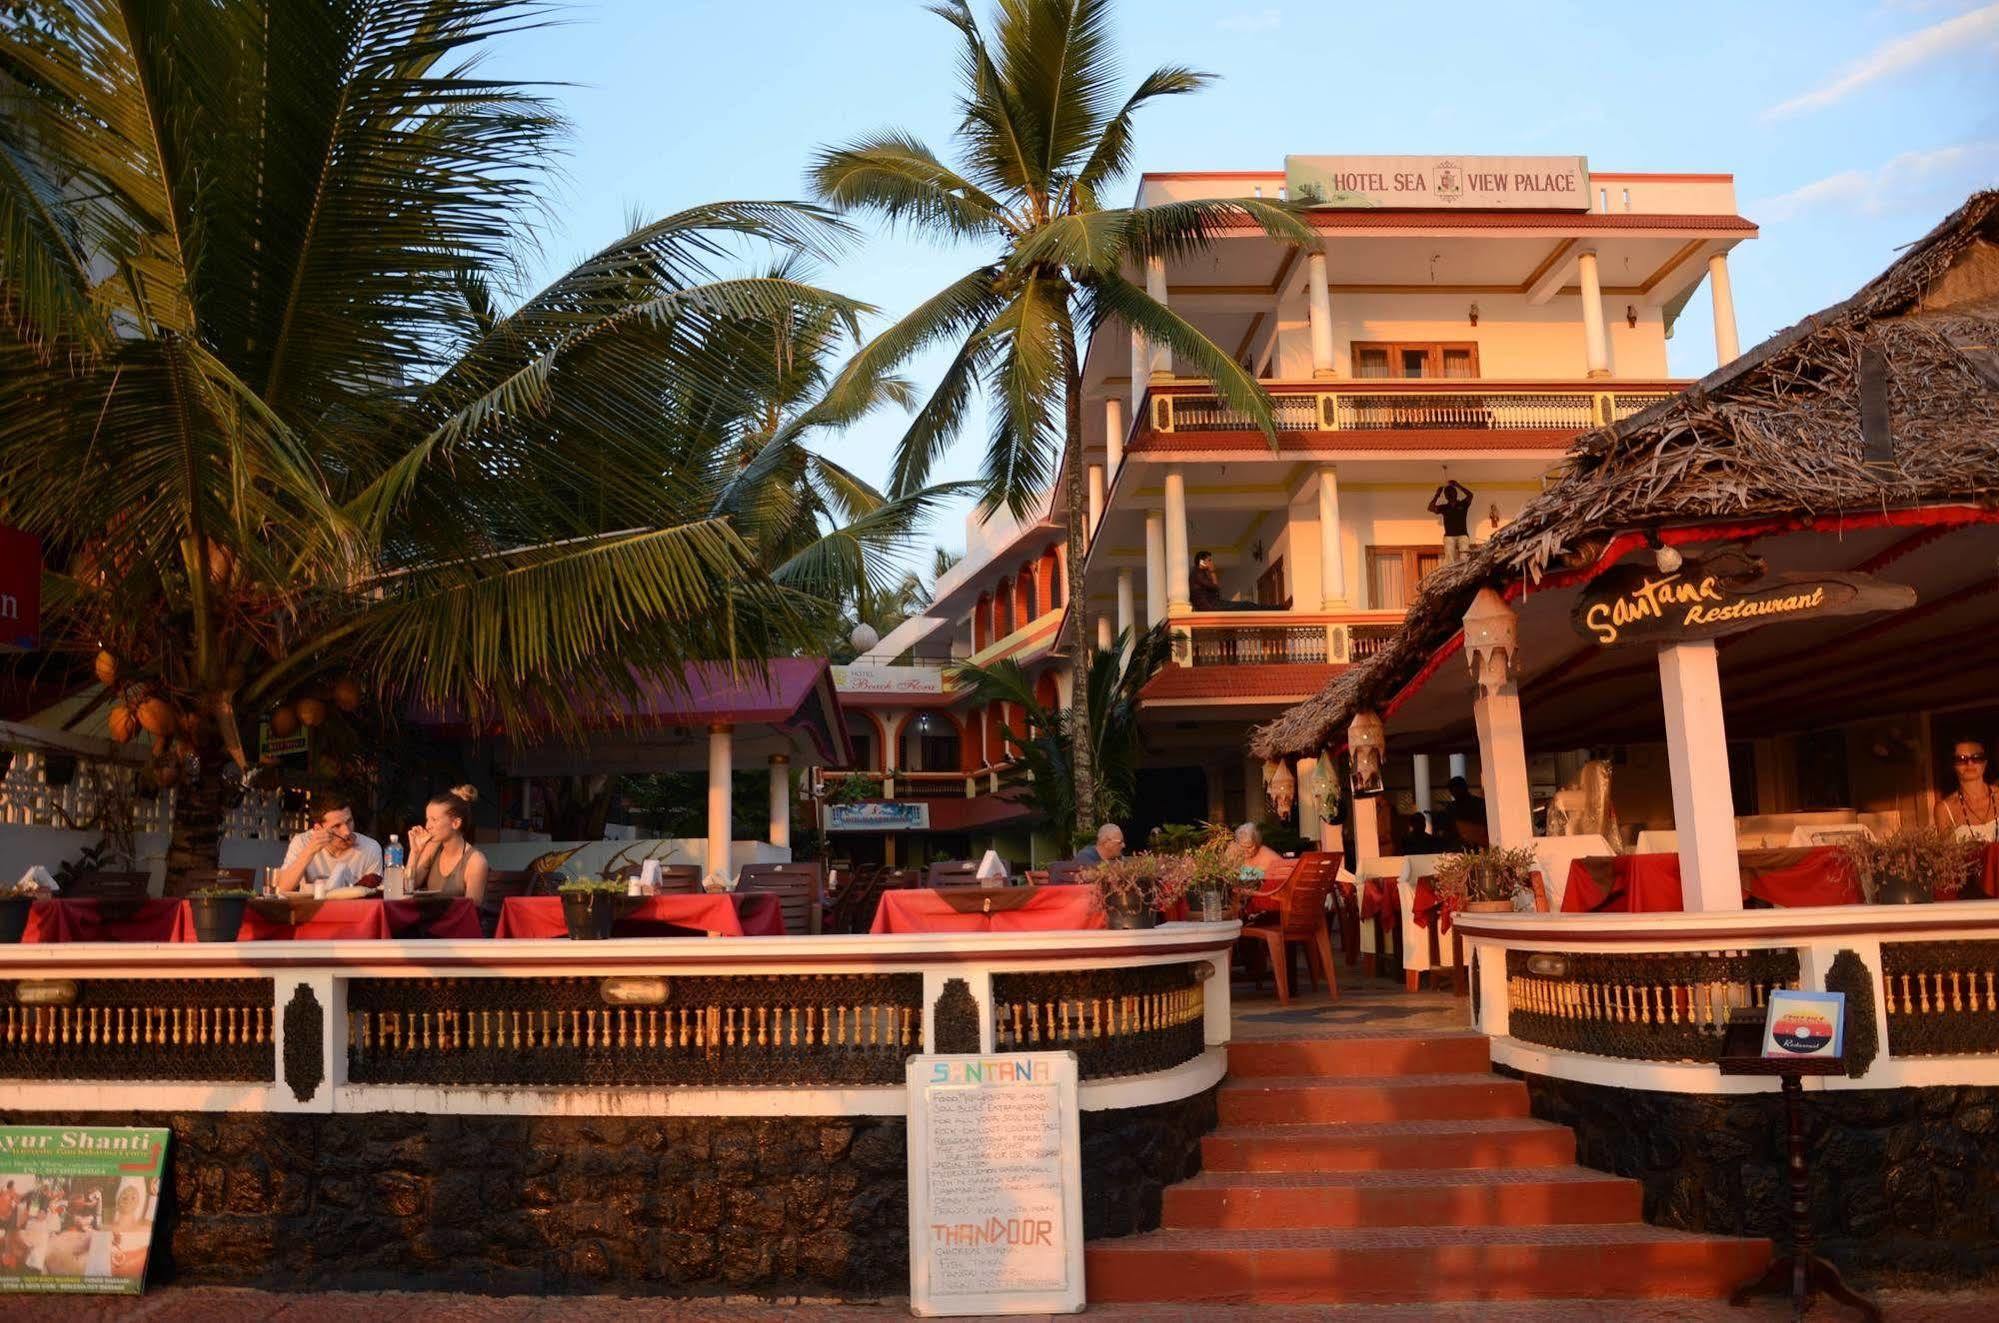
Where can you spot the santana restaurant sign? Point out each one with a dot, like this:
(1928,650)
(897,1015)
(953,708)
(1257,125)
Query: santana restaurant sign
(1542,183)
(1724,594)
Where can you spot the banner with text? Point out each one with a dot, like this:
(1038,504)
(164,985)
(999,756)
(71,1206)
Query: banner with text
(77,1205)
(879,815)
(1477,183)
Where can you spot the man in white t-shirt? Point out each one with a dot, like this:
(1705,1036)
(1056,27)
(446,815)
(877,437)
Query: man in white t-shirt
(332,850)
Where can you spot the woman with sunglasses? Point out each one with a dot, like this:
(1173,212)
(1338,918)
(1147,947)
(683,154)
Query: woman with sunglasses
(1970,810)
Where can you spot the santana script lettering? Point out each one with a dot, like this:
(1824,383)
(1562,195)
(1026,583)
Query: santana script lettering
(995,1177)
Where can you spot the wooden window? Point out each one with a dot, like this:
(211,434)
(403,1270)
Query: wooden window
(1270,585)
(1393,574)
(1377,360)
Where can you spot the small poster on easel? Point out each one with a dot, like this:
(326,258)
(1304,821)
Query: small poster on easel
(1805,1024)
(995,1184)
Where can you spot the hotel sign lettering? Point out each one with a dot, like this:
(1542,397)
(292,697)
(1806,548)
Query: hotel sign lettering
(1725,595)
(1477,183)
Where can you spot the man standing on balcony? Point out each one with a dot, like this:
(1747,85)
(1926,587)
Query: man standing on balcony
(1453,502)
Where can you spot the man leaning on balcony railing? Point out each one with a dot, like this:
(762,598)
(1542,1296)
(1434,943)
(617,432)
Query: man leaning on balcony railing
(1204,589)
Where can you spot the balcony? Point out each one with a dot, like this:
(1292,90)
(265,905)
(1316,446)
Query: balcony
(1404,405)
(1280,638)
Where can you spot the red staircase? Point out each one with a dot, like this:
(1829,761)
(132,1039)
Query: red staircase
(1399,1169)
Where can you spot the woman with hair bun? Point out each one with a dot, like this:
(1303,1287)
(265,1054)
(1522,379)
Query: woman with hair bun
(442,860)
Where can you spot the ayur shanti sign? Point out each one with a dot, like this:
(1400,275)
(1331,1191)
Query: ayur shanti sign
(1726,593)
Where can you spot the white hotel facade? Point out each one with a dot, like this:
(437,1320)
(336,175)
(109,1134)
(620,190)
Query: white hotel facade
(1460,317)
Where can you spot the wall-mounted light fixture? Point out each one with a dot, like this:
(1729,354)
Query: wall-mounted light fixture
(1631,316)
(1472,312)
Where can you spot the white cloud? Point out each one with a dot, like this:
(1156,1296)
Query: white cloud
(1898,56)
(1909,182)
(1262,20)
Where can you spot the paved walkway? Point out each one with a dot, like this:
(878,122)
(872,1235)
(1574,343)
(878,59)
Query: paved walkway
(223,1305)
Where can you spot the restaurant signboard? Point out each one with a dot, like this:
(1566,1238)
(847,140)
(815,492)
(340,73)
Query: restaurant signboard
(77,1207)
(1475,183)
(20,588)
(1725,594)
(879,815)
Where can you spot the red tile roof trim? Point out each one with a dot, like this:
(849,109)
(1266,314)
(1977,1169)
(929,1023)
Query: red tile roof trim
(1376,218)
(1272,682)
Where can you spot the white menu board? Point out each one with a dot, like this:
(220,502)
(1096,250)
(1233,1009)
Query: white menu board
(995,1184)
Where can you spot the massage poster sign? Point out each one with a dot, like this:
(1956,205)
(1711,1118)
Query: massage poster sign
(995,1185)
(77,1205)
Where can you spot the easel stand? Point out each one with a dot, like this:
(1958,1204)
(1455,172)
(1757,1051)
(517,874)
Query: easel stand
(1803,1272)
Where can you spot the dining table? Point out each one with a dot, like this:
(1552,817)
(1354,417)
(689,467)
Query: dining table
(987,910)
(1650,883)
(639,916)
(265,919)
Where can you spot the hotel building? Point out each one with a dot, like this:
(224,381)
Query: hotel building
(1460,318)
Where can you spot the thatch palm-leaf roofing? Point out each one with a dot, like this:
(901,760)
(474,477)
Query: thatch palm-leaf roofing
(1775,433)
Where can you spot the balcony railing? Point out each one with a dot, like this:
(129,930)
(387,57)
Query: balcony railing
(1404,405)
(1280,638)
(1260,646)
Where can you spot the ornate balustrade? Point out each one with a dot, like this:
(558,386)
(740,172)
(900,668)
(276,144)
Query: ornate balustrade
(650,1026)
(1276,637)
(1639,1000)
(1452,404)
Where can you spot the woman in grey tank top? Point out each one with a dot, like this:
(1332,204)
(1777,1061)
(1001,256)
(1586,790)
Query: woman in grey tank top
(443,861)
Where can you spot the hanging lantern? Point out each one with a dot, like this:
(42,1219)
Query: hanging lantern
(1280,786)
(1492,641)
(1367,745)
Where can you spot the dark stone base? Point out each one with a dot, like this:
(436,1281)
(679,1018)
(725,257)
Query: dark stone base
(503,1205)
(1905,1182)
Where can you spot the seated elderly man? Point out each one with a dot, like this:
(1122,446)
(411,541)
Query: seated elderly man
(1110,844)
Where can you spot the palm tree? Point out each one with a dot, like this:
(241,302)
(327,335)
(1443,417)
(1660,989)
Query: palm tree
(260,401)
(1042,136)
(1046,746)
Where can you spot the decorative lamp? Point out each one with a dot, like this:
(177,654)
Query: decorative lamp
(1492,640)
(864,637)
(1472,312)
(1367,745)
(1631,316)
(1280,786)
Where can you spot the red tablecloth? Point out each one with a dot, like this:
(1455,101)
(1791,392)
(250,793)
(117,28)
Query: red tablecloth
(83,920)
(541,916)
(1650,883)
(1427,907)
(332,920)
(1989,871)
(1045,909)
(758,913)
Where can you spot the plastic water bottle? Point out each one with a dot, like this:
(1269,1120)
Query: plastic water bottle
(394,860)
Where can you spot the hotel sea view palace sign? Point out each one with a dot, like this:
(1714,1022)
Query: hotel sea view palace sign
(1472,183)
(1727,593)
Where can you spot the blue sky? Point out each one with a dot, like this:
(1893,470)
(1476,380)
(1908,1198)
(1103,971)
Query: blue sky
(1850,128)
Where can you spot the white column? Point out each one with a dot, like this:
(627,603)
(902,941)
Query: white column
(1596,349)
(1366,831)
(1160,360)
(1320,309)
(1113,436)
(780,801)
(1697,755)
(1420,769)
(1332,559)
(1104,635)
(1155,568)
(721,764)
(1176,537)
(1460,765)
(1127,614)
(1502,766)
(1725,348)
(1096,497)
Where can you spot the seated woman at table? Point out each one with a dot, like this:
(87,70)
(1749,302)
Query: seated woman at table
(332,849)
(1970,810)
(1255,854)
(443,861)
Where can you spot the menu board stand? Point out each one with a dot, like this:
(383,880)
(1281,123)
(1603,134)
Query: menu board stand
(995,1184)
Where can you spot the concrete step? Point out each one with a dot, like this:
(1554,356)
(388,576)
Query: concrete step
(1367,1056)
(1278,1099)
(1408,1264)
(1281,1200)
(1504,1142)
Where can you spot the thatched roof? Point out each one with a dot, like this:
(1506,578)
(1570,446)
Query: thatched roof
(1777,432)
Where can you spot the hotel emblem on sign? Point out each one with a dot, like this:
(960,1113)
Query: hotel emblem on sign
(1450,181)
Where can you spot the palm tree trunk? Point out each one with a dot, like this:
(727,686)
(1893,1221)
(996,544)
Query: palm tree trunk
(201,802)
(1083,751)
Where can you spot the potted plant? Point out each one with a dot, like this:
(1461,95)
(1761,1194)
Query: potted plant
(1133,888)
(590,907)
(1484,880)
(1213,876)
(217,912)
(16,900)
(1913,866)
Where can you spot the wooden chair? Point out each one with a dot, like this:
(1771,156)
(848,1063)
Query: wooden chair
(201,879)
(1066,872)
(1037,877)
(108,886)
(800,889)
(952,873)
(890,879)
(679,879)
(1301,920)
(503,884)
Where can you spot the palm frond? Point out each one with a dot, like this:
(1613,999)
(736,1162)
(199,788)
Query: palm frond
(1158,323)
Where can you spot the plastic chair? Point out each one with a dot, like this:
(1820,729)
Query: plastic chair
(1066,872)
(800,889)
(1301,920)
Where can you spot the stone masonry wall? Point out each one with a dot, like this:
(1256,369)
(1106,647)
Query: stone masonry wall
(1905,1182)
(679,1206)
